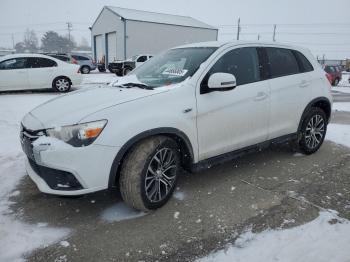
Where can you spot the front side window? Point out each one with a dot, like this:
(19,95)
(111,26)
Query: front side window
(40,62)
(15,63)
(173,66)
(243,63)
(282,62)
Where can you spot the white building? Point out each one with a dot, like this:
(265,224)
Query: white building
(119,33)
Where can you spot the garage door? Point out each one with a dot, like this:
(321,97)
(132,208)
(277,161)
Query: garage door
(112,46)
(99,48)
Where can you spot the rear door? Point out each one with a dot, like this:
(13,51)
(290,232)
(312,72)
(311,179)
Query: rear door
(13,74)
(290,91)
(41,72)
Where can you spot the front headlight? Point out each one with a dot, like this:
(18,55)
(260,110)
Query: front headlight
(78,135)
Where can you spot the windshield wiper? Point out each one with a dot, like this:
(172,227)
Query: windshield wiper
(143,86)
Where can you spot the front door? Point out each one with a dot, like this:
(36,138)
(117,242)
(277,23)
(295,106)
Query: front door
(233,119)
(13,74)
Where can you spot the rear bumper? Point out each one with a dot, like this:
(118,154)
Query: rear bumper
(76,80)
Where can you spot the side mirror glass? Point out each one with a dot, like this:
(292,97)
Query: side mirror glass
(221,82)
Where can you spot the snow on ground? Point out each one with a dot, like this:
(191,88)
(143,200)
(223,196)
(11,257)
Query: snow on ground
(18,238)
(325,239)
(341,106)
(119,212)
(339,134)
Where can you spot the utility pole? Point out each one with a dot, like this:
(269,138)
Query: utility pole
(238,28)
(69,28)
(13,41)
(274,33)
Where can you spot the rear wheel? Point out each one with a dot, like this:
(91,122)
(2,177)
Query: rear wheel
(61,84)
(126,71)
(149,173)
(85,69)
(313,131)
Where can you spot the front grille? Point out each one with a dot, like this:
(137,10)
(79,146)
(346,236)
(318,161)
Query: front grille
(56,179)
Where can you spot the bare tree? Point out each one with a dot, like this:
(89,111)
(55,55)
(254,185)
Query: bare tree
(30,41)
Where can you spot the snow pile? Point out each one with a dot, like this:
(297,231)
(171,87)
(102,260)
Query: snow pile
(345,79)
(119,212)
(18,238)
(325,239)
(339,134)
(99,78)
(341,107)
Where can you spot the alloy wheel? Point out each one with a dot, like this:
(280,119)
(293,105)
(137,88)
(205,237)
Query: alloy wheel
(62,84)
(315,131)
(161,175)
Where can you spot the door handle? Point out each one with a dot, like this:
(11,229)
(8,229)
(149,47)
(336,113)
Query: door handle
(304,83)
(261,96)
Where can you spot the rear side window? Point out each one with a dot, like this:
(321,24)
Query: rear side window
(282,62)
(15,63)
(304,63)
(82,58)
(40,62)
(62,58)
(243,63)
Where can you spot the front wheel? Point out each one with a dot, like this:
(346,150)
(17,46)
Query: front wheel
(313,131)
(149,173)
(61,84)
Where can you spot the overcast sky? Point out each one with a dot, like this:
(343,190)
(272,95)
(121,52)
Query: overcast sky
(321,25)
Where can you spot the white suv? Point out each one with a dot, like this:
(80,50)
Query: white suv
(189,107)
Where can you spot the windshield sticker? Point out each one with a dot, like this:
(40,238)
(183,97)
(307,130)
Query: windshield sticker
(175,72)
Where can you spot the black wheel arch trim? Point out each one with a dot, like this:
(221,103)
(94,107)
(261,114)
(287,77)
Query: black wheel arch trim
(311,104)
(167,131)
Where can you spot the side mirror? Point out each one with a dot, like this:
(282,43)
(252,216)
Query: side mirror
(221,82)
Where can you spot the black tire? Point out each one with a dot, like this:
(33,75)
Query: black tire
(126,71)
(312,134)
(136,175)
(119,73)
(61,84)
(335,82)
(85,70)
(101,69)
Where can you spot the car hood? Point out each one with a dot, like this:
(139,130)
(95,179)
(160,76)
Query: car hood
(73,107)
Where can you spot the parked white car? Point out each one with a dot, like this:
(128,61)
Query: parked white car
(35,71)
(190,107)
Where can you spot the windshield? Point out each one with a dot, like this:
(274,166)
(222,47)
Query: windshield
(133,58)
(172,66)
